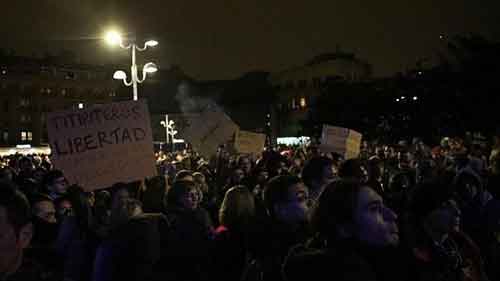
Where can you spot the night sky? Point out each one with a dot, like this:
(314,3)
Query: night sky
(221,39)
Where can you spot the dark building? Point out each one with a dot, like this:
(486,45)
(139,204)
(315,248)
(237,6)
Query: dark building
(30,88)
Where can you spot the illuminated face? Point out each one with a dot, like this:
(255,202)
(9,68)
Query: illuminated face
(374,223)
(190,199)
(46,211)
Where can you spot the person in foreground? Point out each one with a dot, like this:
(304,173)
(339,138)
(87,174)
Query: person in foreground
(360,238)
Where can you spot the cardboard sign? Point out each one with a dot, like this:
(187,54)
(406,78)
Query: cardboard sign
(250,142)
(209,130)
(101,145)
(344,141)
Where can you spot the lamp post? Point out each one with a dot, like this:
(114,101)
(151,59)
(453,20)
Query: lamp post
(170,131)
(114,38)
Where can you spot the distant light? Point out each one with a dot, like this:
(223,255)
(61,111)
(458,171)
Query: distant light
(268,116)
(268,123)
(441,36)
(113,38)
(4,72)
(420,73)
(23,146)
(397,100)
(150,67)
(151,43)
(80,106)
(415,98)
(120,75)
(403,97)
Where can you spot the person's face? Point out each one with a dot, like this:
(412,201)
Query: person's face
(246,165)
(375,224)
(238,175)
(60,185)
(190,199)
(46,211)
(295,209)
(11,243)
(444,219)
(263,176)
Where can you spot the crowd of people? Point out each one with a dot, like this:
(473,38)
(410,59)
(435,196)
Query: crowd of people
(405,211)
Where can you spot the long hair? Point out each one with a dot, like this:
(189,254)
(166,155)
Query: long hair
(237,210)
(336,207)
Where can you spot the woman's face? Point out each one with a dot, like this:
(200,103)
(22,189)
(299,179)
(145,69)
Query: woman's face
(375,224)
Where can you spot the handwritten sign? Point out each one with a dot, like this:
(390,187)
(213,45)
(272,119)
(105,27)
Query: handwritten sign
(250,142)
(101,145)
(209,130)
(344,141)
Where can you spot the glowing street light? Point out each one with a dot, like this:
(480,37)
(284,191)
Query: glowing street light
(114,38)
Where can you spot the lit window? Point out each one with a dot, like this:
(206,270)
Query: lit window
(294,105)
(303,103)
(5,136)
(30,136)
(63,92)
(48,90)
(80,106)
(24,136)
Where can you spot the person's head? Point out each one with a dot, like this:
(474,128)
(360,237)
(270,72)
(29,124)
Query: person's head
(262,176)
(16,229)
(238,208)
(467,186)
(39,174)
(237,176)
(120,192)
(318,171)
(286,199)
(200,181)
(184,175)
(353,169)
(56,183)
(245,164)
(26,165)
(43,208)
(434,208)
(349,210)
(7,173)
(183,194)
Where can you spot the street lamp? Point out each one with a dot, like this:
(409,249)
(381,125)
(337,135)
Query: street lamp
(170,131)
(114,38)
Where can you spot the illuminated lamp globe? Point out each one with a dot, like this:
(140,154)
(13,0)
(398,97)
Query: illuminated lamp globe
(113,38)
(151,43)
(119,75)
(150,67)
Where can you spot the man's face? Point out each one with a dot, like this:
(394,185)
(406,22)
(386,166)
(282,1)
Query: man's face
(60,185)
(190,199)
(375,224)
(10,246)
(246,165)
(328,174)
(296,209)
(46,211)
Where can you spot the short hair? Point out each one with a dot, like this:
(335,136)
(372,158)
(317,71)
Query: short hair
(336,206)
(176,191)
(314,168)
(51,176)
(182,174)
(276,191)
(16,205)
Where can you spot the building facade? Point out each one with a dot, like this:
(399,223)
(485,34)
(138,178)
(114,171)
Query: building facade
(298,87)
(31,88)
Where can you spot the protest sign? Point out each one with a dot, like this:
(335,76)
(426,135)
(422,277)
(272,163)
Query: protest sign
(344,141)
(250,142)
(209,130)
(101,145)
